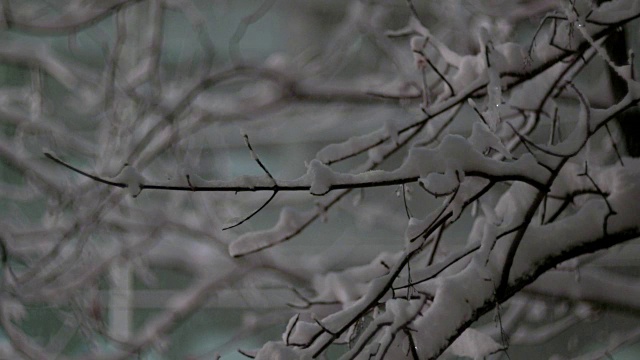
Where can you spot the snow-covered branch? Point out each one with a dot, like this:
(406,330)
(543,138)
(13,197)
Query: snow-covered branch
(403,178)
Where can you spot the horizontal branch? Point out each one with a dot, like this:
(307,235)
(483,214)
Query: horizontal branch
(254,184)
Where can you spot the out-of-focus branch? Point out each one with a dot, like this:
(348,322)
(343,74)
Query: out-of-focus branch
(600,287)
(71,20)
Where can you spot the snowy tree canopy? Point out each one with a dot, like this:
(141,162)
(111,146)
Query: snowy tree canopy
(376,179)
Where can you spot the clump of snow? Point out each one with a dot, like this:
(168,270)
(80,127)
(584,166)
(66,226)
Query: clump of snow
(455,151)
(132,178)
(456,297)
(417,43)
(322,177)
(442,184)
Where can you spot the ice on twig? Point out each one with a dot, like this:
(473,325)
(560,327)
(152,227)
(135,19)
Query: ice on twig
(132,178)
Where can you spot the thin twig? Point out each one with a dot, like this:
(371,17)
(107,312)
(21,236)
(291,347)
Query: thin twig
(90,176)
(436,243)
(441,75)
(404,198)
(255,157)
(613,143)
(602,194)
(253,213)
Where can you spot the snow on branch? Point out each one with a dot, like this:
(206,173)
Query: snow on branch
(505,158)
